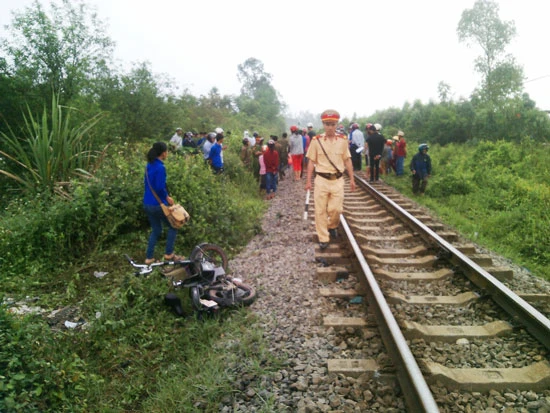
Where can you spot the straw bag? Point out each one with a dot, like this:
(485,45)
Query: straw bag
(176,214)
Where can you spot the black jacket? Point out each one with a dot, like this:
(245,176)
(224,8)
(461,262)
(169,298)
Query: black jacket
(376,144)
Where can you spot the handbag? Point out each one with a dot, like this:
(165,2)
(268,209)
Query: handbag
(176,214)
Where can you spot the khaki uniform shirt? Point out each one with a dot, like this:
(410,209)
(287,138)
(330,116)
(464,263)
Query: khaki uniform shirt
(337,150)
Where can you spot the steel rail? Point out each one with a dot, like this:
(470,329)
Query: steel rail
(416,391)
(521,311)
(417,394)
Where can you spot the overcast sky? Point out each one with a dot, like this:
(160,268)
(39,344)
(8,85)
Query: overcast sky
(353,56)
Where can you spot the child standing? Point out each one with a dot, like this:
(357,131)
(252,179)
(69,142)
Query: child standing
(387,153)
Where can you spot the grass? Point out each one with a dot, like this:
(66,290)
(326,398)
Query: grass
(500,205)
(135,354)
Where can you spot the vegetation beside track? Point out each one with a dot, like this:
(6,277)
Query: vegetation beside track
(133,353)
(495,193)
(65,217)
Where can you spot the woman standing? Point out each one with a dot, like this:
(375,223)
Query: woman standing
(155,180)
(271,160)
(296,151)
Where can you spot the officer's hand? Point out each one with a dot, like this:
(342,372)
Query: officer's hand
(352,186)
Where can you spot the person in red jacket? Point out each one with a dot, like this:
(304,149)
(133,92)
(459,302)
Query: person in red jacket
(271,160)
(400,154)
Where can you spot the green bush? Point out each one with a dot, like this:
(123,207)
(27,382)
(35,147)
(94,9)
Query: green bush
(498,193)
(224,209)
(446,185)
(39,371)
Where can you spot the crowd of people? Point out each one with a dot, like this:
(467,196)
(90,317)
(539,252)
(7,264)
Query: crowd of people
(382,156)
(323,157)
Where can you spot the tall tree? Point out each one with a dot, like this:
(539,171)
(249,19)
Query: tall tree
(142,105)
(444,92)
(258,96)
(252,76)
(481,25)
(59,51)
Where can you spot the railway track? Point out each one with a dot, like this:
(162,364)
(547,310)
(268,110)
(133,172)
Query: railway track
(454,324)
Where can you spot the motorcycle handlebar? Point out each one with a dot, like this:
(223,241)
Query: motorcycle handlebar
(148,268)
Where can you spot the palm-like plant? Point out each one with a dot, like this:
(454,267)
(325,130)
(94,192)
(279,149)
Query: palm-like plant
(51,151)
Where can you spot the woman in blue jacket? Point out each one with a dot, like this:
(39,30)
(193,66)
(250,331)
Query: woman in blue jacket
(155,179)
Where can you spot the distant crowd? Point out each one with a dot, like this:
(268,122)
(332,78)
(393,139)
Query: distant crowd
(324,156)
(271,161)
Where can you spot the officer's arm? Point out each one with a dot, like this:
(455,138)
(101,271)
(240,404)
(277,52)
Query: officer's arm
(349,168)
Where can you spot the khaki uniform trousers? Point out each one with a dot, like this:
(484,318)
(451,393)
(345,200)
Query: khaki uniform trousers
(329,204)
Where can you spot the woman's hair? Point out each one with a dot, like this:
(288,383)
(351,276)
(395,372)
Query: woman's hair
(157,149)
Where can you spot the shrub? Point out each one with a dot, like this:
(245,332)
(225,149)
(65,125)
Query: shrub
(54,230)
(38,372)
(447,185)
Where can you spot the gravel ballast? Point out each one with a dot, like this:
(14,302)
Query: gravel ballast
(280,263)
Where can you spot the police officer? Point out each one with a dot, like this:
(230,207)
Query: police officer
(329,155)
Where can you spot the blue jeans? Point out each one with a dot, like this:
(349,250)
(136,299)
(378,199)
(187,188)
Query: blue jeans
(399,162)
(156,219)
(270,182)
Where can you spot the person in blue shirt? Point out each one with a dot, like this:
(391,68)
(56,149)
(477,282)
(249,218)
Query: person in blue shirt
(421,169)
(155,180)
(216,155)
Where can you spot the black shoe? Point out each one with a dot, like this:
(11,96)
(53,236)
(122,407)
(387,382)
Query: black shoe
(333,233)
(323,245)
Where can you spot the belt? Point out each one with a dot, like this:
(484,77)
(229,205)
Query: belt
(330,177)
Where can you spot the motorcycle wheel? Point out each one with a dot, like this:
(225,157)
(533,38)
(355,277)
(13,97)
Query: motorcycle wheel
(195,295)
(239,294)
(209,252)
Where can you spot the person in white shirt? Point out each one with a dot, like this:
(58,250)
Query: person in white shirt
(208,145)
(356,146)
(251,139)
(176,140)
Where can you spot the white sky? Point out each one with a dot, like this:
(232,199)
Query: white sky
(355,56)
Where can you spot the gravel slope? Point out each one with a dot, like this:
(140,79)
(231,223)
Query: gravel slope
(280,263)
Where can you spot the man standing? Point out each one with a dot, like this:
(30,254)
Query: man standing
(376,144)
(311,133)
(329,155)
(216,156)
(400,154)
(207,145)
(421,169)
(283,155)
(356,146)
(188,141)
(176,140)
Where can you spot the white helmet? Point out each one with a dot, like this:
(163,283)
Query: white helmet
(378,127)
(218,131)
(310,125)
